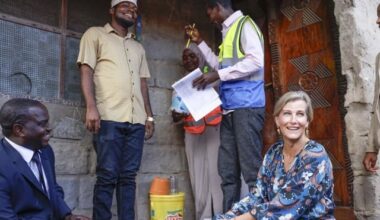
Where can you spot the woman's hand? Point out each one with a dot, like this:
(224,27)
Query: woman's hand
(178,116)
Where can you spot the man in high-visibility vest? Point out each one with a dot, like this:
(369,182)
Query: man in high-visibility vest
(240,67)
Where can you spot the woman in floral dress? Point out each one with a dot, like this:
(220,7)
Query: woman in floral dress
(295,180)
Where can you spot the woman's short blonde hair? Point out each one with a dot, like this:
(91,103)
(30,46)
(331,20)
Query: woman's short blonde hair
(291,97)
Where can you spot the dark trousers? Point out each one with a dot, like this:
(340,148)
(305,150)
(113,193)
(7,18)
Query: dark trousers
(119,149)
(240,151)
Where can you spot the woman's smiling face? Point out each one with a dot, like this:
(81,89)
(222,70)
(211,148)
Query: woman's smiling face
(293,121)
(190,60)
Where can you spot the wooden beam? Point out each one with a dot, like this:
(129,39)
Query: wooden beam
(33,24)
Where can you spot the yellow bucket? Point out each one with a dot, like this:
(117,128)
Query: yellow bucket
(167,207)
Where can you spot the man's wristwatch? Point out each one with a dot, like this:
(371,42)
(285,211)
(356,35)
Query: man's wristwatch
(151,119)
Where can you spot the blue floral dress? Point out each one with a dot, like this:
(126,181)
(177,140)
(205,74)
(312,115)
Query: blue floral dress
(304,192)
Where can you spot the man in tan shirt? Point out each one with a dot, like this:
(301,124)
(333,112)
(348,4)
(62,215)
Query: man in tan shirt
(370,158)
(114,70)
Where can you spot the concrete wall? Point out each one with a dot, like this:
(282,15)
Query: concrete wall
(359,38)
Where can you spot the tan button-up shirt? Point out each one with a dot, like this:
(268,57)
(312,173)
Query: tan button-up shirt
(118,64)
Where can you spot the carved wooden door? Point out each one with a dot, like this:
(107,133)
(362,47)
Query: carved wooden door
(304,55)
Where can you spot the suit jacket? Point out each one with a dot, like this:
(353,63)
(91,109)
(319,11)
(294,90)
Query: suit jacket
(21,194)
(374,131)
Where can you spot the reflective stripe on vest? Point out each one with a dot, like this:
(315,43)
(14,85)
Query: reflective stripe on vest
(192,123)
(214,119)
(229,51)
(197,127)
(242,93)
(194,127)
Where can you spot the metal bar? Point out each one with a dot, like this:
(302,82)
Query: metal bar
(63,37)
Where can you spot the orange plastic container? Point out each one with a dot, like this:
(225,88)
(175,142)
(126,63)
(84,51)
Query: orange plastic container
(160,186)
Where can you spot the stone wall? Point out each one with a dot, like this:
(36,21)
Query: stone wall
(359,38)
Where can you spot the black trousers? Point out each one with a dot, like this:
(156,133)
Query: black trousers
(240,151)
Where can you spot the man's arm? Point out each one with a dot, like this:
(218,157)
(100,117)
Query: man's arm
(87,83)
(370,158)
(195,37)
(201,82)
(370,161)
(253,61)
(149,125)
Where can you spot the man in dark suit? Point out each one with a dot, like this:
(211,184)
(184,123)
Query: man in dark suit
(28,187)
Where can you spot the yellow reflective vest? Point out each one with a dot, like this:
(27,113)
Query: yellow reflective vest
(246,93)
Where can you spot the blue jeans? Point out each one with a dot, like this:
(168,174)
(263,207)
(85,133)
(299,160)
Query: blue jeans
(119,149)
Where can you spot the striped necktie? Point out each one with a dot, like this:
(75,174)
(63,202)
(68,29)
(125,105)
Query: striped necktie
(37,159)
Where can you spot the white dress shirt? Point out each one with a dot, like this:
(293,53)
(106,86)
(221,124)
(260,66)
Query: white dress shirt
(251,45)
(27,155)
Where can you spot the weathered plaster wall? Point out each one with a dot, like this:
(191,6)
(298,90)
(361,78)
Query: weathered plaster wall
(359,38)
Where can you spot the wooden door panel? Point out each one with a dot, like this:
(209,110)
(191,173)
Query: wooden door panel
(301,46)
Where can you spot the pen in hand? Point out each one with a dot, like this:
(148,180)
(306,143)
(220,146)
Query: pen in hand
(191,32)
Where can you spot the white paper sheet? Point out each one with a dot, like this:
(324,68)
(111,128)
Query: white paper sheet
(199,102)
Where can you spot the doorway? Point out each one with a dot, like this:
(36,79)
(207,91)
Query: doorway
(302,53)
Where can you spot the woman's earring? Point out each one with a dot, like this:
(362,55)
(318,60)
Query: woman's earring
(307,132)
(278,131)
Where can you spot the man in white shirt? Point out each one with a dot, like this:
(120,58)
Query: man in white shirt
(240,68)
(28,187)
